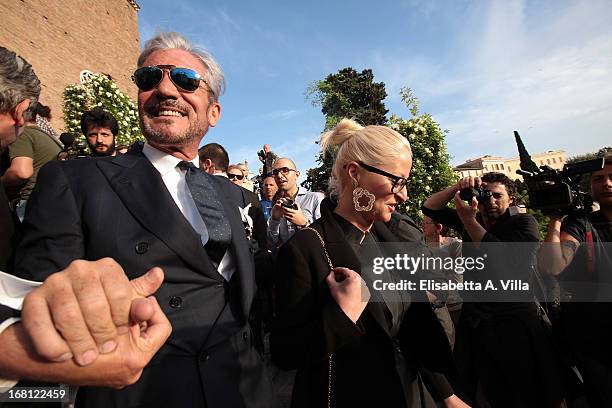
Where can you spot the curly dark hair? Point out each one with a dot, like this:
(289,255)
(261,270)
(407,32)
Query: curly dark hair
(98,117)
(501,178)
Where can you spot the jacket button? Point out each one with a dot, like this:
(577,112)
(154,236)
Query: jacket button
(141,248)
(245,336)
(204,357)
(176,302)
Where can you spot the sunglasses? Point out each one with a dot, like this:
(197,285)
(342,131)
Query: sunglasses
(284,170)
(399,183)
(235,176)
(147,78)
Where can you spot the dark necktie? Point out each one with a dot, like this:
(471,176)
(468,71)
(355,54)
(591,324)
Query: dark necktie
(210,209)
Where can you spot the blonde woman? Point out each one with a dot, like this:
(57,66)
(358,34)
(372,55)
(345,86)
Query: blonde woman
(380,350)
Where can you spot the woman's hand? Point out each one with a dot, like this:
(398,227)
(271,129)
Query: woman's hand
(455,402)
(348,290)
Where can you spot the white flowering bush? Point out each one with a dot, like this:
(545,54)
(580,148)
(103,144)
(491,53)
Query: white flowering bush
(98,90)
(431,171)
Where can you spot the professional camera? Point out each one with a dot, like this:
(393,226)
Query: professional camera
(261,154)
(556,191)
(73,149)
(482,195)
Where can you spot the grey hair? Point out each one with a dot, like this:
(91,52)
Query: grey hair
(17,81)
(172,40)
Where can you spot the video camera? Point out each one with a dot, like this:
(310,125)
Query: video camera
(73,148)
(556,191)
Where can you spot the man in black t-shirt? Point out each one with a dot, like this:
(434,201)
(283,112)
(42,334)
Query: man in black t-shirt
(580,247)
(503,353)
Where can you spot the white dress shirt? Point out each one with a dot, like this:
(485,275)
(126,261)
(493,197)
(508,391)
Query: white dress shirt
(12,292)
(174,179)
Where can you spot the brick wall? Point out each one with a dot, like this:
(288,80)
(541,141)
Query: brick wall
(60,38)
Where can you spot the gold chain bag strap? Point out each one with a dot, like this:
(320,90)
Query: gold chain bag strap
(330,360)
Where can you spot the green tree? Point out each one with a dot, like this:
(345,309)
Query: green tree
(588,156)
(431,169)
(98,90)
(346,94)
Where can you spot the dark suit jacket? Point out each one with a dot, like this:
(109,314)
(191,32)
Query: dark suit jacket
(10,233)
(310,326)
(119,207)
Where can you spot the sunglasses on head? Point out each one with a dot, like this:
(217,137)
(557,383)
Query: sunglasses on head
(235,176)
(147,78)
(284,170)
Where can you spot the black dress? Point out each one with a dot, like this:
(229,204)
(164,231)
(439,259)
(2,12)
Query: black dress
(380,360)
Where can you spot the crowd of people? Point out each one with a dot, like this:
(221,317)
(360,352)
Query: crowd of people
(166,276)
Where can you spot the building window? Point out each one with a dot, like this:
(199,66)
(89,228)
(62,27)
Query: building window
(560,159)
(547,161)
(554,160)
(541,162)
(502,166)
(509,169)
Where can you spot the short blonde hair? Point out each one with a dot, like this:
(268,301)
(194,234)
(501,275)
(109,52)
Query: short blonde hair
(373,145)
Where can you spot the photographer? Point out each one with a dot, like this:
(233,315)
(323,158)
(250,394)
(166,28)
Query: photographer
(503,353)
(575,246)
(267,157)
(294,207)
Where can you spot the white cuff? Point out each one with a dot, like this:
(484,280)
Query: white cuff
(14,289)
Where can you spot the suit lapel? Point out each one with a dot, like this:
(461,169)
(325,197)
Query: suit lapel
(231,198)
(143,192)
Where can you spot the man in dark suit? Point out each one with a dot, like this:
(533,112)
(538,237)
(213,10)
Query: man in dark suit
(153,207)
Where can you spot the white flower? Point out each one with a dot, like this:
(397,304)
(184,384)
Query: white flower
(246,220)
(394,126)
(109,94)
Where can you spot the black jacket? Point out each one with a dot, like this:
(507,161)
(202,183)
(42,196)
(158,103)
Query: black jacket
(119,207)
(310,326)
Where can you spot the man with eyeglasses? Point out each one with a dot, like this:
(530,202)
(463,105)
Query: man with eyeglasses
(41,335)
(152,207)
(295,207)
(504,354)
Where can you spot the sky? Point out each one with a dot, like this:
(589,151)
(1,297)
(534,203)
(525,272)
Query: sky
(481,68)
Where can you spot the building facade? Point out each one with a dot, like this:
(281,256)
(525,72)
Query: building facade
(60,38)
(485,164)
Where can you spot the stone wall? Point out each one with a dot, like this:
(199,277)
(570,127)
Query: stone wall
(60,38)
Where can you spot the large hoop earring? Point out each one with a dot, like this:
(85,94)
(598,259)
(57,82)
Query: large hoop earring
(358,193)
